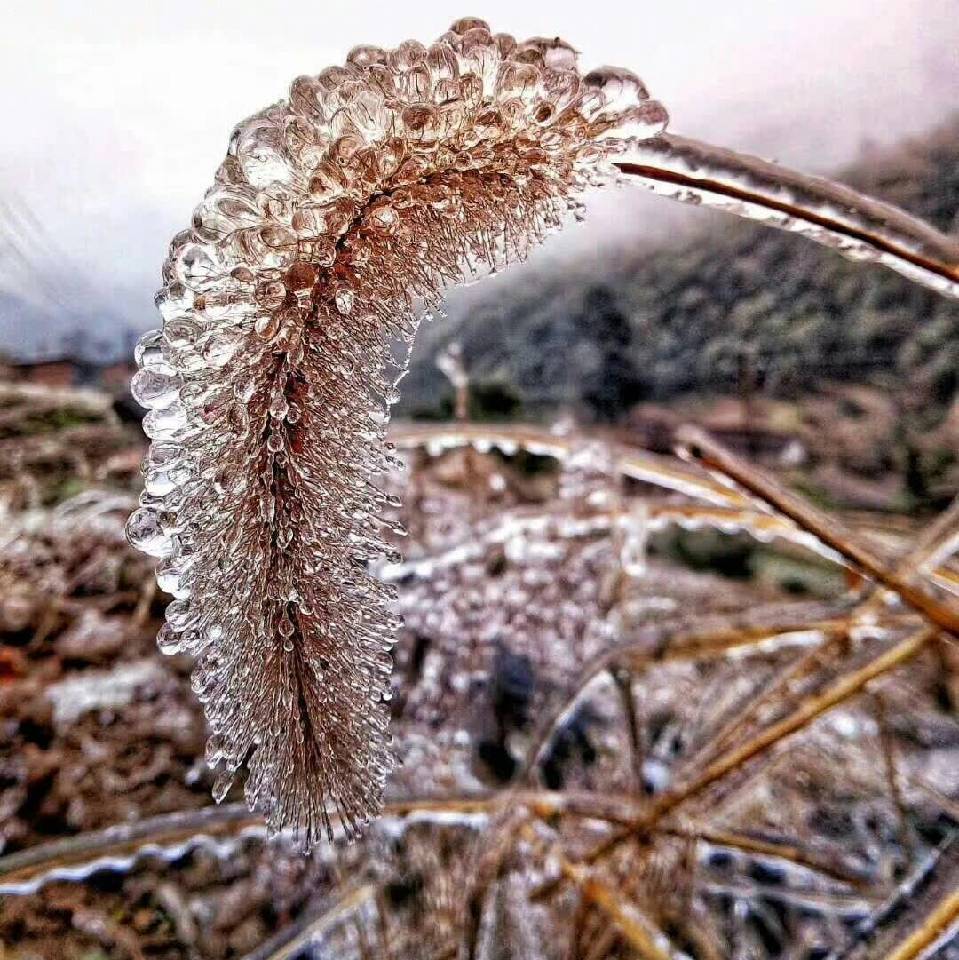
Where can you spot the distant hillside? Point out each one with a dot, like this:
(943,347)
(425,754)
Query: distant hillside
(732,301)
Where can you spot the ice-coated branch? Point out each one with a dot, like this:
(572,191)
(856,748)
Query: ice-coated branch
(699,446)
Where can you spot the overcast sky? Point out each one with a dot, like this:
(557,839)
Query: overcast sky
(116,114)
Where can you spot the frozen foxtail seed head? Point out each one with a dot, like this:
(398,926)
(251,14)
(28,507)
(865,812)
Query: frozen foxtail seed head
(334,217)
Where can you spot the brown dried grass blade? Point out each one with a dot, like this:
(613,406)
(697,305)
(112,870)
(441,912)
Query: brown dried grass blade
(928,549)
(841,690)
(925,550)
(922,915)
(638,464)
(713,456)
(673,646)
(634,927)
(120,846)
(775,691)
(937,927)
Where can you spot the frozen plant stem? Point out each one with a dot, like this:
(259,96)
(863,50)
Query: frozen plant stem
(840,691)
(698,446)
(120,846)
(334,218)
(830,213)
(309,931)
(934,930)
(627,918)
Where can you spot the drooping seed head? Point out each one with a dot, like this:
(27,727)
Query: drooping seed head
(334,218)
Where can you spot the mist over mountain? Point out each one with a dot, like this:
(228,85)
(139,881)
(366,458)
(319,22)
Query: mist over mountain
(117,119)
(684,317)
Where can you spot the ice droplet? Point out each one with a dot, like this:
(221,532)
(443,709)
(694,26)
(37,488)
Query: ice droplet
(168,641)
(221,786)
(266,328)
(178,614)
(344,301)
(152,389)
(279,406)
(148,353)
(169,579)
(621,88)
(220,349)
(144,532)
(196,266)
(166,422)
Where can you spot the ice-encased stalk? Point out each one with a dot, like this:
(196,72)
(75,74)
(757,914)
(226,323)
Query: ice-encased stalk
(334,217)
(829,213)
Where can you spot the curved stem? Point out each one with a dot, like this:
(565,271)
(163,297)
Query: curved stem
(628,461)
(700,447)
(837,216)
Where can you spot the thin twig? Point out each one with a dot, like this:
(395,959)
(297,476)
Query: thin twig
(635,929)
(624,685)
(290,941)
(922,552)
(891,769)
(773,693)
(791,852)
(936,927)
(840,691)
(904,913)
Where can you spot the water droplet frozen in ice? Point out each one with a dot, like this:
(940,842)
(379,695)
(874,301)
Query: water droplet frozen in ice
(153,389)
(144,532)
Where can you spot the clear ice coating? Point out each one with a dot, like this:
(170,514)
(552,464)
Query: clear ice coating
(858,226)
(333,217)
